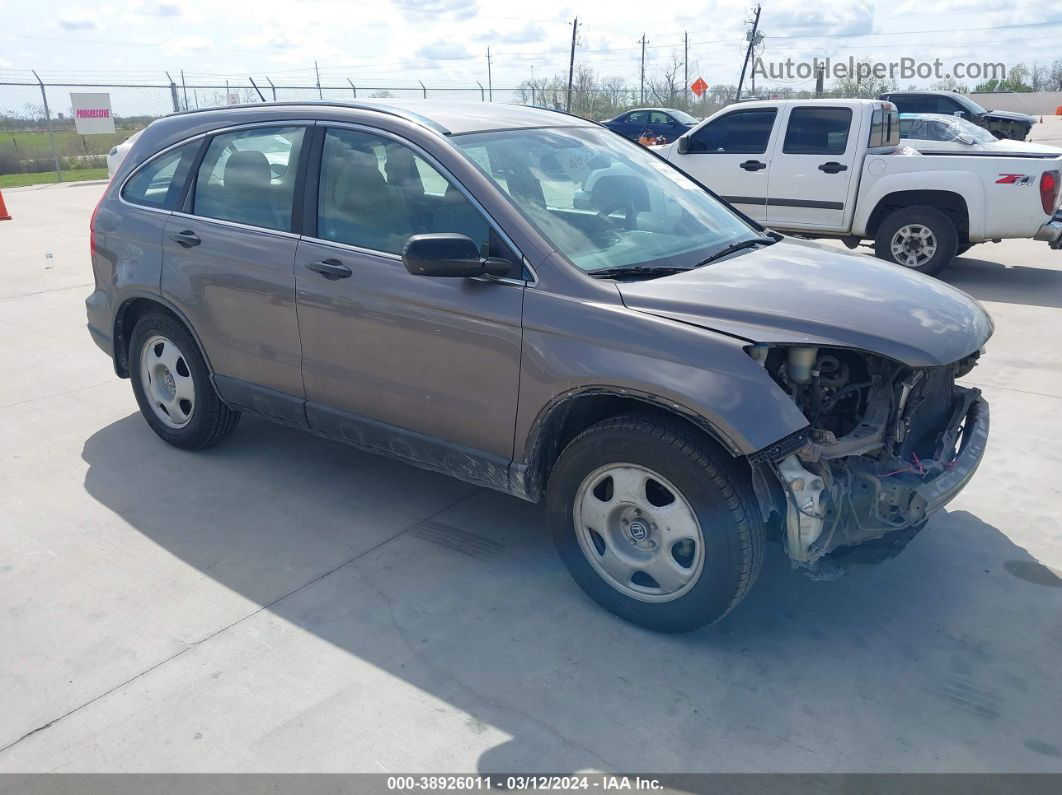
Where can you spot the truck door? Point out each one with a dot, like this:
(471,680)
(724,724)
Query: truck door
(812,171)
(731,155)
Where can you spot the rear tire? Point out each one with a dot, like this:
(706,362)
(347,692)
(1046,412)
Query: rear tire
(655,524)
(172,385)
(920,238)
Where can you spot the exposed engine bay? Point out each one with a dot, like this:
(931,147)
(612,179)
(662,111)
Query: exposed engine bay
(887,444)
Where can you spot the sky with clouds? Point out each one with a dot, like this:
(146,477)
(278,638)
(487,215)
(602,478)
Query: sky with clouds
(444,42)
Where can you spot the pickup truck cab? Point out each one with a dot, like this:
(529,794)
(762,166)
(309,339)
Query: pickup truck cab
(834,168)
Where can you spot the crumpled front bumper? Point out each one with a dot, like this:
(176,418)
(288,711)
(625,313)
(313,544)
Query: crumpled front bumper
(1051,232)
(837,509)
(939,491)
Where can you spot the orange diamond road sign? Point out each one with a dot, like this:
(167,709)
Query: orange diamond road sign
(699,87)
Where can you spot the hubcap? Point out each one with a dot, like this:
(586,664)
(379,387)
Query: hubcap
(638,532)
(913,245)
(167,381)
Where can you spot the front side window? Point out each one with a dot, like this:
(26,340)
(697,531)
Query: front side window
(817,131)
(659,118)
(744,132)
(945,105)
(602,201)
(249,177)
(375,193)
(159,183)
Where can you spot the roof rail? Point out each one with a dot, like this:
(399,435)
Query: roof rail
(565,113)
(389,110)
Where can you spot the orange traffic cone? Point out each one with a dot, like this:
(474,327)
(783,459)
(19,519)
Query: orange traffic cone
(4,214)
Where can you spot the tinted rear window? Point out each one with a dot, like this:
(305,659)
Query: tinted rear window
(817,131)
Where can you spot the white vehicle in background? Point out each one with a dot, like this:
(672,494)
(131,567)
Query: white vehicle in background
(835,168)
(118,153)
(935,133)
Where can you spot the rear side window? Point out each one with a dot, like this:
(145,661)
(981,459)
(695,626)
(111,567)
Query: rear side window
(817,131)
(249,177)
(160,182)
(911,103)
(744,132)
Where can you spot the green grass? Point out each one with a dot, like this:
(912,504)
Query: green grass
(67,142)
(45,177)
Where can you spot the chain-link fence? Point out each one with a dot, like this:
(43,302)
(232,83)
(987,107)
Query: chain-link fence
(39,142)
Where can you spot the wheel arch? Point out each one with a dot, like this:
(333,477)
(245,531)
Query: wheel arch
(567,415)
(952,204)
(132,308)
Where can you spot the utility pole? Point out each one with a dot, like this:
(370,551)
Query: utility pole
(641,93)
(686,64)
(320,94)
(490,81)
(571,65)
(184,88)
(820,73)
(748,52)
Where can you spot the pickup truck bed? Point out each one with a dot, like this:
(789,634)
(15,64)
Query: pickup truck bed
(834,168)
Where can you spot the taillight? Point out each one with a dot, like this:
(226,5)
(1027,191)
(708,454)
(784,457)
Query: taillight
(1049,184)
(92,225)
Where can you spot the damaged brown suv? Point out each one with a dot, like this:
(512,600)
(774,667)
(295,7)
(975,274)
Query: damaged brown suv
(527,301)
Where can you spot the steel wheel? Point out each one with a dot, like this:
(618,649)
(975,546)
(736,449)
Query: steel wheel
(639,532)
(913,245)
(167,381)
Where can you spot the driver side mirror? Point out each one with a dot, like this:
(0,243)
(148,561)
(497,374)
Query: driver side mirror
(682,146)
(451,255)
(963,138)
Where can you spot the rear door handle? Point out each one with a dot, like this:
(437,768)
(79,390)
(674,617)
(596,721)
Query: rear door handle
(833,167)
(331,269)
(753,165)
(187,238)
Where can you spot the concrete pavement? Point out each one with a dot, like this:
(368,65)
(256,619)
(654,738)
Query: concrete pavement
(285,603)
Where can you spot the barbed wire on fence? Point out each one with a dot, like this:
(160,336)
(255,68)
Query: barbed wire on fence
(37,129)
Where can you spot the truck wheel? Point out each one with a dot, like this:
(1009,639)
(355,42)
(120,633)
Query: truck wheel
(172,385)
(920,238)
(654,524)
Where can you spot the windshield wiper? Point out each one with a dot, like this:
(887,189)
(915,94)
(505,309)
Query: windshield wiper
(638,270)
(738,246)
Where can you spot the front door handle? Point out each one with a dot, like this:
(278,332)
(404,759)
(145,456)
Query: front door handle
(331,269)
(833,167)
(753,165)
(187,238)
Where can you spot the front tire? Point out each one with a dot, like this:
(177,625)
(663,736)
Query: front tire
(920,238)
(654,523)
(172,385)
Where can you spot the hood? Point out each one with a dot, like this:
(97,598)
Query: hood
(800,292)
(1008,115)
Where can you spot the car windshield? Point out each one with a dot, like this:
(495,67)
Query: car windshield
(970,105)
(979,134)
(683,117)
(602,201)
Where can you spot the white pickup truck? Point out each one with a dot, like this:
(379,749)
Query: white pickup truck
(834,168)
